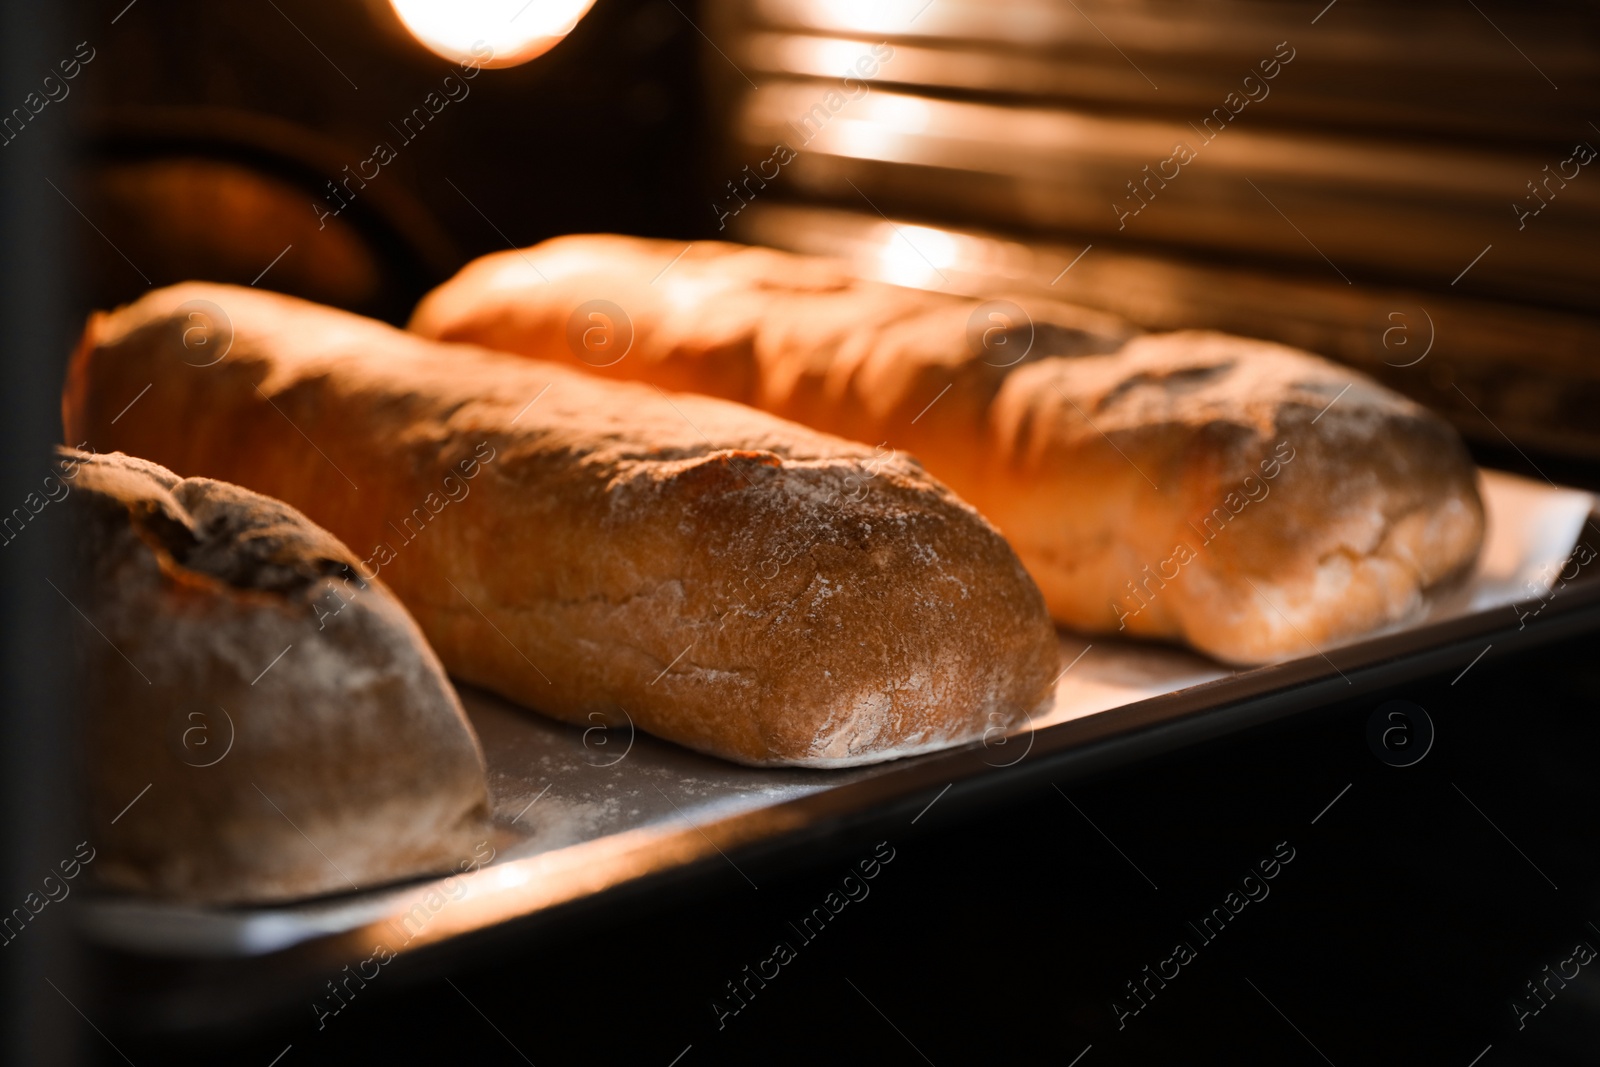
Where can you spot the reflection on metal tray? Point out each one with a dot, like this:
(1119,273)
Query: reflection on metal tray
(579,812)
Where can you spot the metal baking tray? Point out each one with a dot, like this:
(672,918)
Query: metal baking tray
(587,818)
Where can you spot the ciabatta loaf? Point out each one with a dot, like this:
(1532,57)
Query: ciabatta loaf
(600,551)
(240,748)
(1252,500)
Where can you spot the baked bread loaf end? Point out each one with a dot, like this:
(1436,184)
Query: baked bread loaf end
(1251,498)
(240,748)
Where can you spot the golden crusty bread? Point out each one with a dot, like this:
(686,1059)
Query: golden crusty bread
(1250,499)
(240,748)
(599,551)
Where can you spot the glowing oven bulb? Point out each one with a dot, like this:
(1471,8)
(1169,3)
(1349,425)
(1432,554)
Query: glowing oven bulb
(515,30)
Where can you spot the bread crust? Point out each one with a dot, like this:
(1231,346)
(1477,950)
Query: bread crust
(717,576)
(1115,463)
(238,749)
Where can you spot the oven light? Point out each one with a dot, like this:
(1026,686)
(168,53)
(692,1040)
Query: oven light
(508,31)
(912,255)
